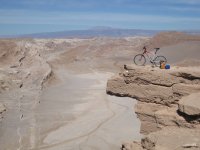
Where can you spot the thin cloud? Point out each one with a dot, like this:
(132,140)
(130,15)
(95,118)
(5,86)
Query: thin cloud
(185,9)
(148,14)
(23,17)
(191,2)
(87,4)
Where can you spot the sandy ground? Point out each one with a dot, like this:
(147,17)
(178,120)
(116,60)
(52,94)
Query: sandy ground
(77,114)
(74,114)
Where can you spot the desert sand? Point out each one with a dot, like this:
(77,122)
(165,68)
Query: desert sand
(53,91)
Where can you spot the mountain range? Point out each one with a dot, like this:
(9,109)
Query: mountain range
(94,32)
(89,33)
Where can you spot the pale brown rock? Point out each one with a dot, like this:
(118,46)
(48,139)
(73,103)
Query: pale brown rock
(158,92)
(153,84)
(172,138)
(155,117)
(131,146)
(182,89)
(190,105)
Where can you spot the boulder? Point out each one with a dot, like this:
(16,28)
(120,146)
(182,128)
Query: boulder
(190,105)
(169,138)
(172,138)
(154,117)
(131,146)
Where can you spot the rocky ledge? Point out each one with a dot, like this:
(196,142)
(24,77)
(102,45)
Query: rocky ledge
(168,105)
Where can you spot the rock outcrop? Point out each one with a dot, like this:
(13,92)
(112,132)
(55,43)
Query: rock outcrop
(168,105)
(155,117)
(153,85)
(190,105)
(172,138)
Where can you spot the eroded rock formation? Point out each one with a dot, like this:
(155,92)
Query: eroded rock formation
(168,105)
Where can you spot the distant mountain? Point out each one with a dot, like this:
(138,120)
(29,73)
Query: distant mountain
(99,31)
(193,32)
(102,28)
(93,32)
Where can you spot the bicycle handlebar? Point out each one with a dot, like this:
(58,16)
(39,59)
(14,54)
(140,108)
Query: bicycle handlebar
(145,50)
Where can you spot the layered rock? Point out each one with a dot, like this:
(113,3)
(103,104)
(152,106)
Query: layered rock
(172,138)
(154,85)
(190,105)
(131,146)
(168,105)
(155,117)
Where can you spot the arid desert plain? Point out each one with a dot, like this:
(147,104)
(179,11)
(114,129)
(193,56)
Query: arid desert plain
(87,94)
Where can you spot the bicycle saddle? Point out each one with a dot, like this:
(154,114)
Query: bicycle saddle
(156,50)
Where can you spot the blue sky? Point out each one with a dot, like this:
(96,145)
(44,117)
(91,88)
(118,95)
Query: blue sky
(33,16)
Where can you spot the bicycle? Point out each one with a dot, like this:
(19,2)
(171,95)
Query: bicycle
(140,59)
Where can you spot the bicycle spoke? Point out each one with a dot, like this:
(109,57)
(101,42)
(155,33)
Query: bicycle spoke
(139,60)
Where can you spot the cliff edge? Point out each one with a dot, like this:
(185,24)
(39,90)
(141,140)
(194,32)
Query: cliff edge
(168,105)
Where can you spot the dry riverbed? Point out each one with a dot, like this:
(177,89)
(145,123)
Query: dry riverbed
(75,113)
(84,117)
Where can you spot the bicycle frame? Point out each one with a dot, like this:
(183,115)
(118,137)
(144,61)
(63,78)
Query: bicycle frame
(150,55)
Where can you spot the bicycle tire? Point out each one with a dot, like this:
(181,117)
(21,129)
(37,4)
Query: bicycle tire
(158,59)
(141,58)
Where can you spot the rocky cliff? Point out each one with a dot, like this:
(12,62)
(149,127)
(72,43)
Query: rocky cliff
(168,105)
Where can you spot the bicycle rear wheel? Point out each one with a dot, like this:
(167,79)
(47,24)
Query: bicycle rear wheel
(139,60)
(158,60)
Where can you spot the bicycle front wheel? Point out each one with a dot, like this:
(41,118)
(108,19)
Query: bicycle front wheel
(139,60)
(158,60)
